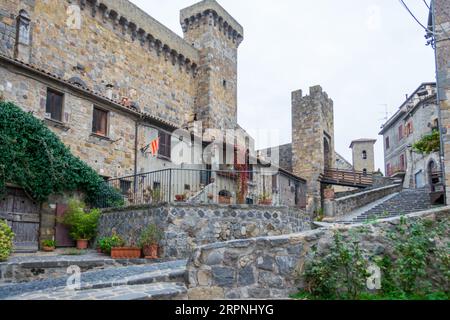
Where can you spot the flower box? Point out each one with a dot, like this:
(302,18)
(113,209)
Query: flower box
(125,253)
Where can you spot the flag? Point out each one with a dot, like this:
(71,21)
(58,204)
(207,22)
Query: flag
(155,146)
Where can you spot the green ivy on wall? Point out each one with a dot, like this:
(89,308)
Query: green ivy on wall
(429,143)
(34,158)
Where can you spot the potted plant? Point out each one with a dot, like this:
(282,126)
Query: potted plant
(82,225)
(107,243)
(180,197)
(48,245)
(265,199)
(149,241)
(119,249)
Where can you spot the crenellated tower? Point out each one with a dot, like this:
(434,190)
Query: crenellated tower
(217,36)
(312,139)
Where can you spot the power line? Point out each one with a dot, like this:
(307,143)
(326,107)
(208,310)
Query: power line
(414,17)
(428,6)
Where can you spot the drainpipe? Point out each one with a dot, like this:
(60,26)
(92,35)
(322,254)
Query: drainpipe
(442,130)
(136,147)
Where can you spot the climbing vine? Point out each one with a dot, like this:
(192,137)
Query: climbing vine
(429,143)
(34,158)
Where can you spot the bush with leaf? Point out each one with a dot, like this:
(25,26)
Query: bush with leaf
(429,143)
(34,158)
(107,243)
(49,243)
(6,241)
(82,224)
(150,236)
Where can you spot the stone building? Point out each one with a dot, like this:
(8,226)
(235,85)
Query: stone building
(108,79)
(440,25)
(416,117)
(363,155)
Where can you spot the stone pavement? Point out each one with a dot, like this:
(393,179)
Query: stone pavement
(114,282)
(129,292)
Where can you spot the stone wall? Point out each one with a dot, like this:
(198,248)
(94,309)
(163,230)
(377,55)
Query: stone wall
(442,29)
(345,205)
(312,124)
(186,226)
(272,267)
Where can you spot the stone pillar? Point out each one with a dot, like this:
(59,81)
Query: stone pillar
(441,12)
(312,140)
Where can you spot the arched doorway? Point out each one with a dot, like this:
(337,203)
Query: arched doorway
(327,154)
(431,174)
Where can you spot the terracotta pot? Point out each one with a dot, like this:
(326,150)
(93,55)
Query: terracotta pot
(151,251)
(48,249)
(82,244)
(125,253)
(267,202)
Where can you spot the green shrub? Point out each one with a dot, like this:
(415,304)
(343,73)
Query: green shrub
(34,158)
(341,274)
(417,266)
(49,243)
(82,224)
(107,243)
(6,241)
(150,236)
(429,143)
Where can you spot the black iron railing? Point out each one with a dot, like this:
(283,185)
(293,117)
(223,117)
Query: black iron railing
(210,187)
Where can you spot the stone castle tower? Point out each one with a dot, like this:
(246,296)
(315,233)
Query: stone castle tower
(217,36)
(312,139)
(363,155)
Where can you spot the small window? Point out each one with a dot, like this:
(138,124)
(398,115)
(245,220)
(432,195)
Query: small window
(388,169)
(165,145)
(388,145)
(54,107)
(364,172)
(364,155)
(224,83)
(100,122)
(402,162)
(125,186)
(400,132)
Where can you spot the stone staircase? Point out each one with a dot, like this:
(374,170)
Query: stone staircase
(405,202)
(152,281)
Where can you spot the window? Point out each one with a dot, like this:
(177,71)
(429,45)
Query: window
(388,169)
(364,172)
(402,162)
(54,107)
(364,155)
(165,145)
(125,186)
(100,122)
(387,143)
(409,128)
(400,132)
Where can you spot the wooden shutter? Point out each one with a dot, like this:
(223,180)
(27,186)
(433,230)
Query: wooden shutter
(100,122)
(54,104)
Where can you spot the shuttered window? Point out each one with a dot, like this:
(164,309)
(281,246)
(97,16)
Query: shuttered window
(100,122)
(164,145)
(54,107)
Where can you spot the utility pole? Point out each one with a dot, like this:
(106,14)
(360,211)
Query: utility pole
(440,20)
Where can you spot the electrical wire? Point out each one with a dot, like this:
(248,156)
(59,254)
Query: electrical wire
(414,17)
(428,6)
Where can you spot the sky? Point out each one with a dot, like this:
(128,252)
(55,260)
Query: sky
(366,54)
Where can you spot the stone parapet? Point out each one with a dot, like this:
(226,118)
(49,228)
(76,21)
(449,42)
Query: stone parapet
(187,226)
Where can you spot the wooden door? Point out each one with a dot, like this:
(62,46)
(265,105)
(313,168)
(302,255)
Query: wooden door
(22,215)
(62,237)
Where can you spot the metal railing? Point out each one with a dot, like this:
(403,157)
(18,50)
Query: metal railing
(210,187)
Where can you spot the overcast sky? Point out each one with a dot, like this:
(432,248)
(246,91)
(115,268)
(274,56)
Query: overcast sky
(366,54)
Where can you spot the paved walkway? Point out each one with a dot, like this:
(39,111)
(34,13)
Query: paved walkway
(133,275)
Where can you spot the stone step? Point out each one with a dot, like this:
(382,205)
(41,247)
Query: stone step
(154,291)
(167,272)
